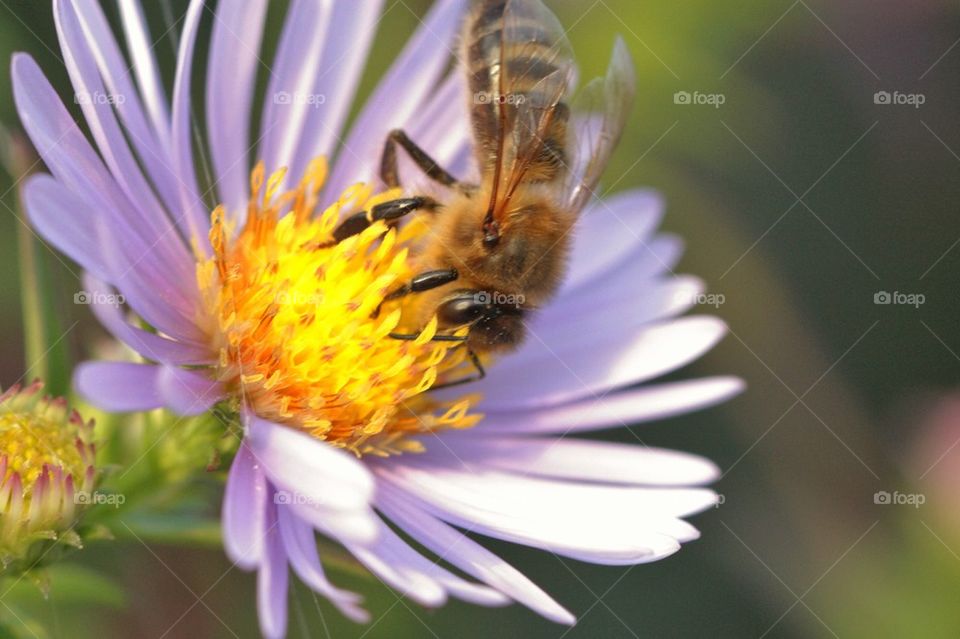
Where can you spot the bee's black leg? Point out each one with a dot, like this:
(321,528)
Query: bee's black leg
(386,211)
(388,161)
(424,282)
(409,337)
(420,283)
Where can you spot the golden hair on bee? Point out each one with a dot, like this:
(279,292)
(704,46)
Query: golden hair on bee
(497,250)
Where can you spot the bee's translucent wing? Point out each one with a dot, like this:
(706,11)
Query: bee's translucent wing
(599,114)
(536,73)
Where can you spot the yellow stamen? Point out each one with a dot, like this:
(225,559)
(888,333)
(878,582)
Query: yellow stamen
(299,336)
(31,442)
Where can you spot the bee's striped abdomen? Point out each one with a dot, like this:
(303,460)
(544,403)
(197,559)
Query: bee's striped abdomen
(514,65)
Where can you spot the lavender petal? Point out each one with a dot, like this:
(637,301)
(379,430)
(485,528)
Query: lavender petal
(194,219)
(272,580)
(152,346)
(595,364)
(301,548)
(289,95)
(344,55)
(609,233)
(140,51)
(468,556)
(414,75)
(245,510)
(152,147)
(231,73)
(575,459)
(616,410)
(119,386)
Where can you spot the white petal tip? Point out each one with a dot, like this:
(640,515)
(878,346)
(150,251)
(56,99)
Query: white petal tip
(240,559)
(560,615)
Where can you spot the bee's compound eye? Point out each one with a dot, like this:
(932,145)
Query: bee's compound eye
(464,308)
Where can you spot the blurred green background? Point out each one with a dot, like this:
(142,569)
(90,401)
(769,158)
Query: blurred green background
(800,198)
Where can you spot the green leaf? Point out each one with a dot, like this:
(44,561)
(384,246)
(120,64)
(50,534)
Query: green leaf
(17,624)
(169,528)
(28,600)
(72,583)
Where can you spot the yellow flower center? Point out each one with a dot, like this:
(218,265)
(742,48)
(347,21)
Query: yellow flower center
(31,442)
(47,473)
(303,328)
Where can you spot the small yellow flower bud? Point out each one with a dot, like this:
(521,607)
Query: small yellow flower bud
(47,475)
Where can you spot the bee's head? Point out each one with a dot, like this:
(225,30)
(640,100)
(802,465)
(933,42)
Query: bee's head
(495,319)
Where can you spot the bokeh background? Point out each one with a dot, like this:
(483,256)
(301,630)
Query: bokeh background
(800,198)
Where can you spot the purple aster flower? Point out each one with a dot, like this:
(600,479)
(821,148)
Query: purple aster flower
(250,308)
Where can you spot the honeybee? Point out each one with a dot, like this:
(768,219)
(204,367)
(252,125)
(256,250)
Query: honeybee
(497,250)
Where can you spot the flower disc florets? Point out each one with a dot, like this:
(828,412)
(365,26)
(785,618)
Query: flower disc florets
(302,327)
(47,473)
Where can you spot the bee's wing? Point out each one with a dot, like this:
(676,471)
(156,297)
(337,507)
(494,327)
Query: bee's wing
(599,114)
(537,71)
